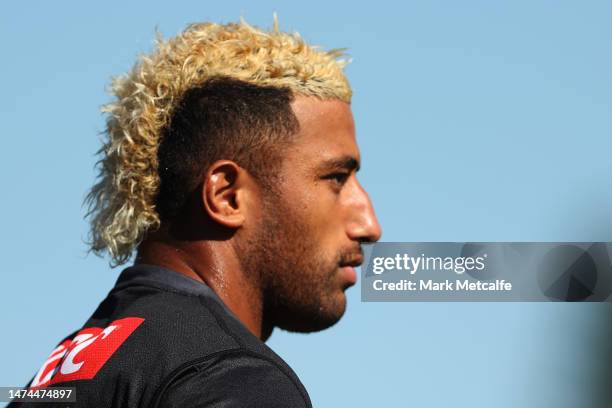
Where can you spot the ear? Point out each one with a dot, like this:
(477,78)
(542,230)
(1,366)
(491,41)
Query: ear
(224,193)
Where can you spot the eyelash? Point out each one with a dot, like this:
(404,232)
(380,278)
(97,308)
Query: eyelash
(338,178)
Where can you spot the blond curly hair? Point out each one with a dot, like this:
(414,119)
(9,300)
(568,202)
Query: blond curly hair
(122,202)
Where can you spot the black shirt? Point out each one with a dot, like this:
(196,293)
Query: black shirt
(161,339)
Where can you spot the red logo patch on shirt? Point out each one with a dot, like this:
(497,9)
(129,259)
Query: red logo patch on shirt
(83,356)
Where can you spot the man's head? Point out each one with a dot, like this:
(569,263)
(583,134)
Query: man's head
(307,241)
(244,136)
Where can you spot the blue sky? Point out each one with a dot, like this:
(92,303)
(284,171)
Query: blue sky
(477,121)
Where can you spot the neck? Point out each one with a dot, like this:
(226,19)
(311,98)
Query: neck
(213,262)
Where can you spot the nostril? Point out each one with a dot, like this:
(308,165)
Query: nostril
(368,240)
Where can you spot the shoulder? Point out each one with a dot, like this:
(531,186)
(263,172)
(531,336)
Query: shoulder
(233,378)
(171,323)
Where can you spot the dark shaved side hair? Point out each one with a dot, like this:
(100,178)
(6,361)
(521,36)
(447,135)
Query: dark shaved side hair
(223,119)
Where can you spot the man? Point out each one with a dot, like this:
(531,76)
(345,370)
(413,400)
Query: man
(230,168)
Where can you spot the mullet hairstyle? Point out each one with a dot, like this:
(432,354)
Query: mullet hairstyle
(212,92)
(224,118)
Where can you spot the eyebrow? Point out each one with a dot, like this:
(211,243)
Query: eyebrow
(344,162)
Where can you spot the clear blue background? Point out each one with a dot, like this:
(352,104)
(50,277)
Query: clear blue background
(477,121)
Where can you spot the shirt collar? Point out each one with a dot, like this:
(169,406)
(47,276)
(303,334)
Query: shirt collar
(160,277)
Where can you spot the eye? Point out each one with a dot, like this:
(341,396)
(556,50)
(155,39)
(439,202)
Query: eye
(338,178)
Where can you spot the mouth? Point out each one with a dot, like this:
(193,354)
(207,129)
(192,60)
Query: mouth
(347,267)
(352,259)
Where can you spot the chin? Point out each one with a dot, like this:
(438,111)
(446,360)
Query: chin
(314,318)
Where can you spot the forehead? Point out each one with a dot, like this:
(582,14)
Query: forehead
(327,130)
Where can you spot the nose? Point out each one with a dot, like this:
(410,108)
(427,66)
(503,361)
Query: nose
(363,225)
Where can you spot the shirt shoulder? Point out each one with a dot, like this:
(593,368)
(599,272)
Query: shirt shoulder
(234,378)
(155,328)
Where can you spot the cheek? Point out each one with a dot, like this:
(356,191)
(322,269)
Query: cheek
(322,217)
(317,208)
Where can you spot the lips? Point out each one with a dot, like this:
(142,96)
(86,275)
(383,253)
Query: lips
(347,266)
(352,260)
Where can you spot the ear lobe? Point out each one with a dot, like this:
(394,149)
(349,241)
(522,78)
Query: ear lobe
(223,193)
